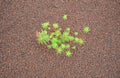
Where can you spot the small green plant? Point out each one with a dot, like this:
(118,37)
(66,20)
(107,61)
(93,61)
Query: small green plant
(43,37)
(86,29)
(45,25)
(76,33)
(68,53)
(65,17)
(61,41)
(55,25)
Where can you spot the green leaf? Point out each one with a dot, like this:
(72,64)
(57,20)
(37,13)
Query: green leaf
(86,29)
(76,33)
(55,25)
(68,53)
(45,25)
(65,17)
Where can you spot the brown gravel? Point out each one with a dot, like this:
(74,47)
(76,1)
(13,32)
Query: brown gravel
(22,57)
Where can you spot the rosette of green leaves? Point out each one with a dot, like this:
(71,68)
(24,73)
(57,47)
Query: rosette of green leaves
(86,29)
(43,37)
(54,43)
(45,25)
(55,25)
(65,37)
(68,53)
(65,17)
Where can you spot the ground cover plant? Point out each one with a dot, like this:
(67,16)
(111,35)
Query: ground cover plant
(60,40)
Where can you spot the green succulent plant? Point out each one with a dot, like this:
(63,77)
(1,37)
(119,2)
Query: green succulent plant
(76,39)
(43,37)
(55,25)
(59,50)
(65,17)
(81,41)
(67,29)
(68,53)
(76,33)
(45,25)
(86,29)
(60,40)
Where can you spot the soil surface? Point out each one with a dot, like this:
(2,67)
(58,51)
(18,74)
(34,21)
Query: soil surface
(22,57)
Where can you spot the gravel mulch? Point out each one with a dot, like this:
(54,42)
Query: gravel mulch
(22,57)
